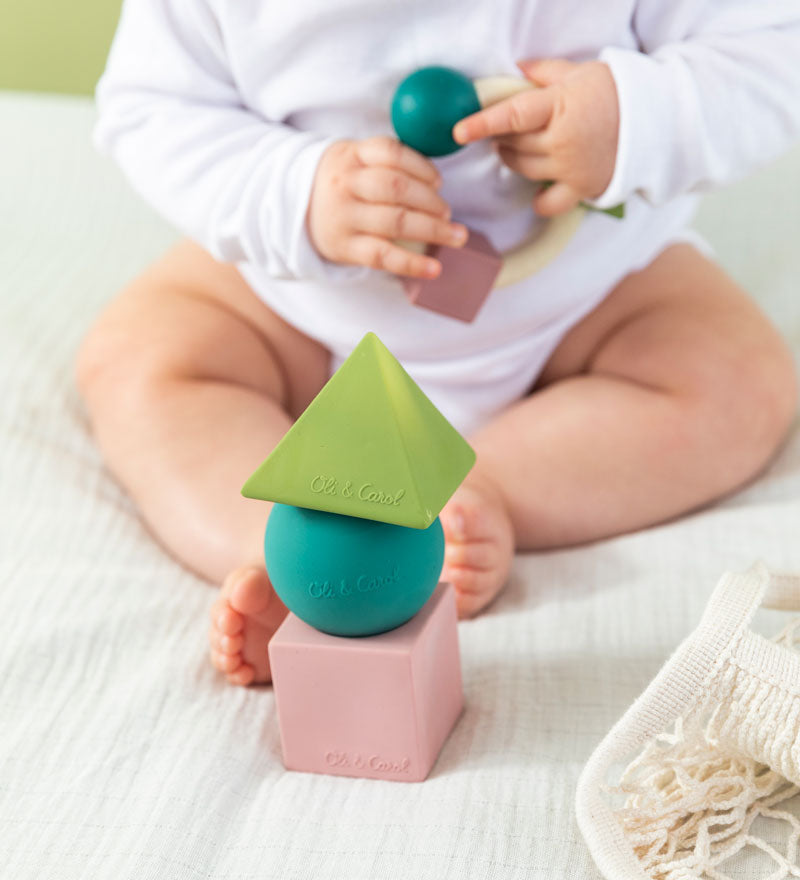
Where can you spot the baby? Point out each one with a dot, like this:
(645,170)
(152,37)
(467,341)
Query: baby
(627,382)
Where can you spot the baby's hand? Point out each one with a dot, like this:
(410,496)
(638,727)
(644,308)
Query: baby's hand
(566,131)
(369,193)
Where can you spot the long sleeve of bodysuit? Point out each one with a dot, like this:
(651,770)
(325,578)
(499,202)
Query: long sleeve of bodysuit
(713,93)
(173,119)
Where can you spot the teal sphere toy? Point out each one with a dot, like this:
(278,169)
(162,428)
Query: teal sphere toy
(426,106)
(349,576)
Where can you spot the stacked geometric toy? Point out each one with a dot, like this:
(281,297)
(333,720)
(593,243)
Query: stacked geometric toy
(365,667)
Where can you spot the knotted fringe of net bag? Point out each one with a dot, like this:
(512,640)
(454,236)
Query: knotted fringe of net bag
(683,781)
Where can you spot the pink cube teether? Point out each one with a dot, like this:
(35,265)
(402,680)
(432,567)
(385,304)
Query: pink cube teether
(468,275)
(377,706)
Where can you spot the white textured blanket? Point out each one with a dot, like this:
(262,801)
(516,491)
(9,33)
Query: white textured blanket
(122,755)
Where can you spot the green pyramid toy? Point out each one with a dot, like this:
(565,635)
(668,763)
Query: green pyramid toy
(369,445)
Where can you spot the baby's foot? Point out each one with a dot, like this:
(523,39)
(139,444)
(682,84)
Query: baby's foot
(479,545)
(243,621)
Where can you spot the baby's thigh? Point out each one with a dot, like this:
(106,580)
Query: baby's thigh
(680,321)
(682,326)
(190,317)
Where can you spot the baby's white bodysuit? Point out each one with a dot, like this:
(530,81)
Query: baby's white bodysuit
(219,111)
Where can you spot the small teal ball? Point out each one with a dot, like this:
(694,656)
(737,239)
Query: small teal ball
(349,576)
(426,106)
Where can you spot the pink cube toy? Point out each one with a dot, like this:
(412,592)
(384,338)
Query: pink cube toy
(377,706)
(468,275)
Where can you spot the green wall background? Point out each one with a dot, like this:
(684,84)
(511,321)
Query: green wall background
(55,45)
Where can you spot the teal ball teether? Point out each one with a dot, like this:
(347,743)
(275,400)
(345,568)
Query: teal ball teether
(426,106)
(349,576)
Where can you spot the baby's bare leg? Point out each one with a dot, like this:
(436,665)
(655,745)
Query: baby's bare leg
(675,391)
(190,381)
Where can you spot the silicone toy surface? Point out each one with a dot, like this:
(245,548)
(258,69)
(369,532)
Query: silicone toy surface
(366,665)
(426,106)
(348,576)
(468,274)
(370,445)
(380,706)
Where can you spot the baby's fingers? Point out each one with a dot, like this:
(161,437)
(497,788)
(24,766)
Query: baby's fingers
(536,142)
(526,111)
(395,221)
(390,153)
(388,186)
(556,199)
(528,165)
(379,253)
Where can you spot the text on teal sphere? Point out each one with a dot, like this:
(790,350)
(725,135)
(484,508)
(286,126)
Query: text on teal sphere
(349,576)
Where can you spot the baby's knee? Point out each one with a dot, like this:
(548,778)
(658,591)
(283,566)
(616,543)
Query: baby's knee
(118,359)
(752,406)
(93,360)
(103,361)
(770,394)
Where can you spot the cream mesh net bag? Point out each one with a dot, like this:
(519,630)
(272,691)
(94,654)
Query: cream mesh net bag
(704,768)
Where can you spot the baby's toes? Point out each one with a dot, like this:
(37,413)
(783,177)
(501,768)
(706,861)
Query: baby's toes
(474,590)
(242,676)
(480,555)
(222,644)
(468,518)
(226,651)
(226,663)
(225,637)
(225,620)
(248,590)
(226,656)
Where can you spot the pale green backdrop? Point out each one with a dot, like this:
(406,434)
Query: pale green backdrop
(55,45)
